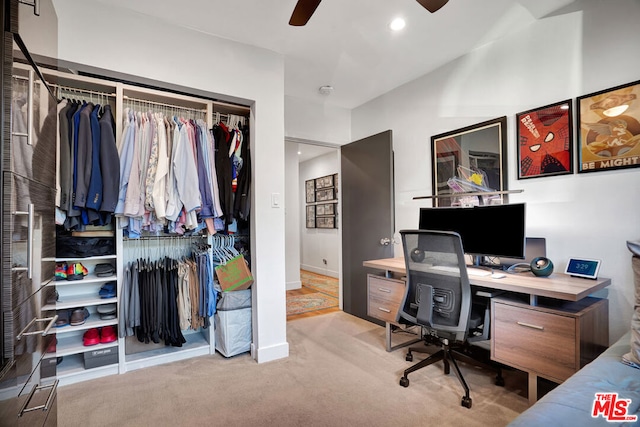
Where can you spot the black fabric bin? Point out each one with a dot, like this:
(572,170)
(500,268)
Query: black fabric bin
(83,247)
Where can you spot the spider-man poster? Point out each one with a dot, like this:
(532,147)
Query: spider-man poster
(609,135)
(545,144)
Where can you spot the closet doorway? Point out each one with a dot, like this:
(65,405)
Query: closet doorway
(313,253)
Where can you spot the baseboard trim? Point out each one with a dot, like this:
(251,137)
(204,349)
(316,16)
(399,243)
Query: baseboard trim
(319,270)
(274,352)
(294,285)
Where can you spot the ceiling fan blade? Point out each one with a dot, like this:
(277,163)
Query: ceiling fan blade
(432,5)
(303,11)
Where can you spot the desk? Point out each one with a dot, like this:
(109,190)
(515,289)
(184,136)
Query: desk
(546,326)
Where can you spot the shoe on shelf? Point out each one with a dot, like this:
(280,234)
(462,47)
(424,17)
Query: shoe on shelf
(52,297)
(91,337)
(63,318)
(76,271)
(79,316)
(51,348)
(108,334)
(108,290)
(61,271)
(107,311)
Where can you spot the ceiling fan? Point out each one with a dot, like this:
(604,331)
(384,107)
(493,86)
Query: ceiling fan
(305,8)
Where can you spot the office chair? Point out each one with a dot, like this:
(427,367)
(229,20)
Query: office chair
(438,298)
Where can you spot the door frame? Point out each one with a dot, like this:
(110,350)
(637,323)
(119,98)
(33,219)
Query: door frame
(301,212)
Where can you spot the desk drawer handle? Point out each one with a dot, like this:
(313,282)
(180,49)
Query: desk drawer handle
(386,310)
(529,325)
(385,290)
(47,404)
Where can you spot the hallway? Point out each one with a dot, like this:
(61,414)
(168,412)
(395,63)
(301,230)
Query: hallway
(318,295)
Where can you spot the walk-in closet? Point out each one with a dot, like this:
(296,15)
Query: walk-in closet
(158,238)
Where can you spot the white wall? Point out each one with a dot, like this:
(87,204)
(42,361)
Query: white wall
(318,244)
(141,46)
(587,215)
(44,40)
(316,121)
(292,216)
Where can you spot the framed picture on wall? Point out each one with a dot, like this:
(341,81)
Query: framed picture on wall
(310,191)
(311,216)
(326,222)
(609,134)
(469,160)
(324,182)
(325,195)
(545,141)
(325,209)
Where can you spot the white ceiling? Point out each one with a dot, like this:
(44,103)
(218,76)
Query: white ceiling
(347,43)
(310,151)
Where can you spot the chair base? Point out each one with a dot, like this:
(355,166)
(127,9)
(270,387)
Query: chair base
(446,355)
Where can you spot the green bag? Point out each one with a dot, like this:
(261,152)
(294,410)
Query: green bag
(234,275)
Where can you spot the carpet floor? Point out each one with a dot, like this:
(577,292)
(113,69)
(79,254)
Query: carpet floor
(337,374)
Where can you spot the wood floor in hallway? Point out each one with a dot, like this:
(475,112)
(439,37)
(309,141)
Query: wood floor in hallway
(318,295)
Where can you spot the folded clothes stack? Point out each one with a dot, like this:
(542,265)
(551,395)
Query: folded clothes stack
(104,270)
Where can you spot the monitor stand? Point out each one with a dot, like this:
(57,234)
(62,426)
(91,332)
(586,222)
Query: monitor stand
(477,260)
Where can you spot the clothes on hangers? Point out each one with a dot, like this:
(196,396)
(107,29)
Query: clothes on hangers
(168,175)
(86,148)
(161,298)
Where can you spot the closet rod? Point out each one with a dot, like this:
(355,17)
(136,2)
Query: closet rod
(144,101)
(72,89)
(168,237)
(91,92)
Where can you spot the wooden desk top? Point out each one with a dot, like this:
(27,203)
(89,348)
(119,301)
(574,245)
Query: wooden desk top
(558,285)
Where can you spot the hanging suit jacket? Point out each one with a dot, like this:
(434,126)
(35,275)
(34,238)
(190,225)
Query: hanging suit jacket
(109,162)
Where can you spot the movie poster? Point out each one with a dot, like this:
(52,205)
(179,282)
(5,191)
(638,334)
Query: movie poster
(609,129)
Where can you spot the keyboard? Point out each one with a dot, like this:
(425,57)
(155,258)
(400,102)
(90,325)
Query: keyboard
(478,272)
(470,270)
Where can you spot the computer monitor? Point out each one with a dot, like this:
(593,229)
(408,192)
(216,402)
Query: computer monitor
(534,247)
(486,231)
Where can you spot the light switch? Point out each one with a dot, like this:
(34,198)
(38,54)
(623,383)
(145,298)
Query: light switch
(275,200)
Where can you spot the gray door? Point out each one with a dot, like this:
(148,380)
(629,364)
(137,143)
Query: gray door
(367,214)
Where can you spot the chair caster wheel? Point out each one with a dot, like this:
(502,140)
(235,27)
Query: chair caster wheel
(500,381)
(404,382)
(409,357)
(466,402)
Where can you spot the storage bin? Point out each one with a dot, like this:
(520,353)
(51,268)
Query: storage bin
(233,331)
(102,357)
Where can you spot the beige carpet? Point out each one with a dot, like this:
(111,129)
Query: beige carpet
(337,374)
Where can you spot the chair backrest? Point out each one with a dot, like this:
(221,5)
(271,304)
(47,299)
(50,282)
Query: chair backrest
(438,293)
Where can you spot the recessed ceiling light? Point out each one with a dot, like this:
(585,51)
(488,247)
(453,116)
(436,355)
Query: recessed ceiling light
(397,24)
(299,152)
